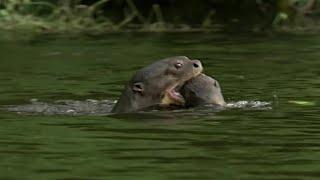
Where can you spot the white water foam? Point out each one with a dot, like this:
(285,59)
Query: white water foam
(260,105)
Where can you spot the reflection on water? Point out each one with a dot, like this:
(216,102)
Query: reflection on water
(64,107)
(279,142)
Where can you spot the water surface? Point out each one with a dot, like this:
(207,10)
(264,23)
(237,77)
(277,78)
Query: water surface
(239,143)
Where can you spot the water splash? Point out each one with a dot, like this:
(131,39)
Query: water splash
(103,107)
(254,105)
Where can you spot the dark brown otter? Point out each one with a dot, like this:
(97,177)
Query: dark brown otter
(157,84)
(202,90)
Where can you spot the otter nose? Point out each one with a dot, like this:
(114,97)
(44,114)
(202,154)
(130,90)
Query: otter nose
(196,63)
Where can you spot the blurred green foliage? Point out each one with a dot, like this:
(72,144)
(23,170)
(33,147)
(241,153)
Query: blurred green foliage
(152,15)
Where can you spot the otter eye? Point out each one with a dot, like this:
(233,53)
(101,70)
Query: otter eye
(178,65)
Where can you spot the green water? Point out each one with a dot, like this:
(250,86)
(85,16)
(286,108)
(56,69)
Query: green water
(282,143)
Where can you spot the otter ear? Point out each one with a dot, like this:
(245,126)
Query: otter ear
(138,87)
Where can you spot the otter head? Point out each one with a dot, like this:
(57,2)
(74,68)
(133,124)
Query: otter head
(202,90)
(157,84)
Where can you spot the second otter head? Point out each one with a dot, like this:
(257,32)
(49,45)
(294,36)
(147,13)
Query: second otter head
(157,84)
(202,90)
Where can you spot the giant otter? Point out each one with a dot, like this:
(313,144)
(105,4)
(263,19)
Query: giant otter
(202,90)
(157,84)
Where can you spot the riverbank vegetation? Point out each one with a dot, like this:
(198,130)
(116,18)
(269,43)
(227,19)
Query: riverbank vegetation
(100,16)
